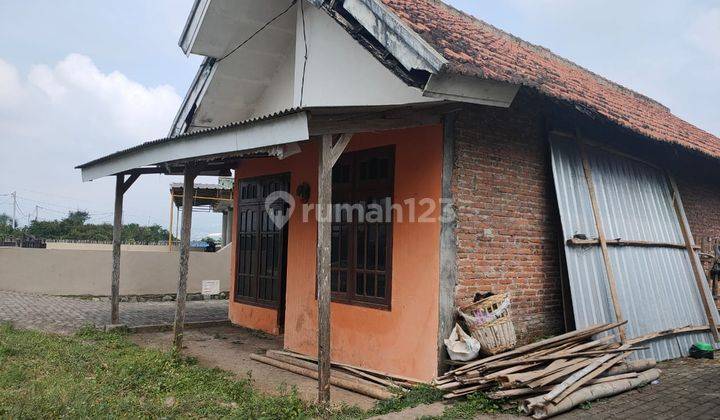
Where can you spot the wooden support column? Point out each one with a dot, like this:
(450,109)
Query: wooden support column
(329,155)
(603,241)
(170,227)
(698,271)
(448,244)
(121,186)
(188,192)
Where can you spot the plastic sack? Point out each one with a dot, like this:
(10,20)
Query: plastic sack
(460,346)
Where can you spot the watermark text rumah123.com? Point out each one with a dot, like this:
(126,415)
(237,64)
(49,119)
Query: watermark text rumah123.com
(280,206)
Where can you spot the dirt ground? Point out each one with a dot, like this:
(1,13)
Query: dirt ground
(229,348)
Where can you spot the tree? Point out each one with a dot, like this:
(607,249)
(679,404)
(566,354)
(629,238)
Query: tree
(6,226)
(75,227)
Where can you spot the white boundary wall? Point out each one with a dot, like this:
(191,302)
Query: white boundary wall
(87,272)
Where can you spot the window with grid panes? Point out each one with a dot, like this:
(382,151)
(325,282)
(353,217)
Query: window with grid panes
(361,247)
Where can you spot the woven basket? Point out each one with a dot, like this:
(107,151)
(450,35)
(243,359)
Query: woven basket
(495,334)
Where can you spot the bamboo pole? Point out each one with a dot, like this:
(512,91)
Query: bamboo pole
(698,271)
(601,237)
(188,187)
(352,385)
(589,393)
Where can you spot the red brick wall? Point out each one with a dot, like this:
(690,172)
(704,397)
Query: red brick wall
(701,199)
(507,220)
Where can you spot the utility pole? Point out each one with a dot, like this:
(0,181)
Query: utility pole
(14,196)
(36,212)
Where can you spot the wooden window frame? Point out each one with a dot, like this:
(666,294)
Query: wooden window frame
(350,194)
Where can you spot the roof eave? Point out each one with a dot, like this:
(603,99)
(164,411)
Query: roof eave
(278,129)
(192,24)
(413,52)
(193,97)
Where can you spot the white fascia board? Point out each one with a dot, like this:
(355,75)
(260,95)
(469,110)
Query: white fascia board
(470,89)
(194,95)
(403,43)
(192,25)
(275,131)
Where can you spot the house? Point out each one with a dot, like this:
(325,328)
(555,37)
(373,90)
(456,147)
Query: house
(528,174)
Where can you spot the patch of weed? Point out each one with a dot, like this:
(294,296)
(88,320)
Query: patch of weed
(471,406)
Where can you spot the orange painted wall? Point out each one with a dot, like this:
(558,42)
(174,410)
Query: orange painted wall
(401,340)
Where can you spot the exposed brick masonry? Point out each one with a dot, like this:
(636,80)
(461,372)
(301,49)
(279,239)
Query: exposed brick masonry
(507,220)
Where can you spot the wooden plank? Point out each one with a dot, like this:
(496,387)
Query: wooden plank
(601,237)
(575,377)
(584,379)
(188,188)
(620,242)
(579,364)
(339,148)
(513,362)
(666,333)
(323,266)
(698,271)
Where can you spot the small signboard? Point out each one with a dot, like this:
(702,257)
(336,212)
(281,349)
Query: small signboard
(210,287)
(225,181)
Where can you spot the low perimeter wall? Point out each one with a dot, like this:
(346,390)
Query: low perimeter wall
(87,272)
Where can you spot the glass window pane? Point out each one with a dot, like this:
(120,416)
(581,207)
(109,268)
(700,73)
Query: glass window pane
(334,281)
(381,285)
(370,285)
(360,248)
(359,283)
(342,287)
(371,246)
(382,246)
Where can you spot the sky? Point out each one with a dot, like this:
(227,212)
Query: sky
(82,78)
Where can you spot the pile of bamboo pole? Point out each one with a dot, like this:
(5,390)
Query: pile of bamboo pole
(371,383)
(554,375)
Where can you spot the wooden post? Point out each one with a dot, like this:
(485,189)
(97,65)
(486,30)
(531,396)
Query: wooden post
(117,240)
(698,272)
(328,156)
(170,228)
(323,268)
(121,186)
(188,190)
(602,239)
(448,246)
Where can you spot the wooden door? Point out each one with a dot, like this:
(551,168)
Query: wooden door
(262,243)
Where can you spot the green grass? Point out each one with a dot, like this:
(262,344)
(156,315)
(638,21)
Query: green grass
(470,406)
(97,374)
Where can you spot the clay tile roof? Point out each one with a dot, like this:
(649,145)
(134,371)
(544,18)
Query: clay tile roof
(475,48)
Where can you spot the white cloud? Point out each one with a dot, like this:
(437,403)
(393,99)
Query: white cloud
(63,114)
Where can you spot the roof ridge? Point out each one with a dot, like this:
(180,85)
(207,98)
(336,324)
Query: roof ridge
(550,54)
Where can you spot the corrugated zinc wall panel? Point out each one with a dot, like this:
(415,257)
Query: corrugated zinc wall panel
(656,286)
